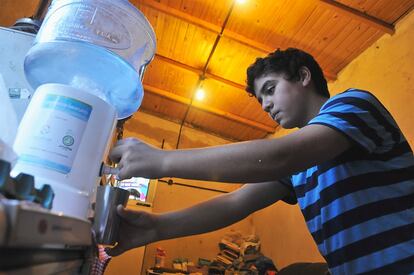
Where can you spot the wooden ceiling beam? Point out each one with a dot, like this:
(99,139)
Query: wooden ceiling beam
(199,71)
(213,76)
(358,15)
(329,75)
(206,108)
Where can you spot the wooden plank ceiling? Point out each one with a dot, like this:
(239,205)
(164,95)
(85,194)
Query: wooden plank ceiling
(335,32)
(217,40)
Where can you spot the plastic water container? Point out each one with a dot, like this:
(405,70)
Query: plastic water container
(100,46)
(61,141)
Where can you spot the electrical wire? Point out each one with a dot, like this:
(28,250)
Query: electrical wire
(203,74)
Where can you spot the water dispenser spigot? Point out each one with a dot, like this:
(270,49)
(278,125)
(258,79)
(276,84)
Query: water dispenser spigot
(108,170)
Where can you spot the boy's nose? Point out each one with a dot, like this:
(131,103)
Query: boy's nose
(267,106)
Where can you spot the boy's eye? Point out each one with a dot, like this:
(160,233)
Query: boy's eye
(270,90)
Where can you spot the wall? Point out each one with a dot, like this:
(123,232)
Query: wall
(154,130)
(157,131)
(9,11)
(386,69)
(193,247)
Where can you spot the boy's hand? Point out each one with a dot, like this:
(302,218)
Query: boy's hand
(137,159)
(137,228)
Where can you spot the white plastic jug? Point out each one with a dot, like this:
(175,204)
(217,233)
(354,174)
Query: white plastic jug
(100,46)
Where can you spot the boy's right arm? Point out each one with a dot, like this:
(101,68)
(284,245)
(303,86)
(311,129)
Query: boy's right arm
(140,228)
(253,161)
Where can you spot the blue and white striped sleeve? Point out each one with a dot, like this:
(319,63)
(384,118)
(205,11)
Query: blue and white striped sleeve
(362,118)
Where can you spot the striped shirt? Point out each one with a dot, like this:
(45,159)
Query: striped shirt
(359,207)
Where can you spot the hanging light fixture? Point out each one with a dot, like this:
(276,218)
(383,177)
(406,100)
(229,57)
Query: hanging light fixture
(200,94)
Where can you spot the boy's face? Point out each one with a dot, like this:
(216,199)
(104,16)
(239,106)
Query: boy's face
(282,99)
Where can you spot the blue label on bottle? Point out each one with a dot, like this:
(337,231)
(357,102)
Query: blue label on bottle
(68,105)
(55,138)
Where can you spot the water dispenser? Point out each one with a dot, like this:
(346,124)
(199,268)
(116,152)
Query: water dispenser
(86,66)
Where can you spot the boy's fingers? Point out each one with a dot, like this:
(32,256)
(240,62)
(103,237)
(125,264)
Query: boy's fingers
(127,214)
(116,154)
(121,175)
(121,147)
(120,210)
(125,140)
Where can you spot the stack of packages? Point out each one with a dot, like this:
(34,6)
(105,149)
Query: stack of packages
(238,254)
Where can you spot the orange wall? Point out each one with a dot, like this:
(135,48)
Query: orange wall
(10,11)
(193,247)
(386,69)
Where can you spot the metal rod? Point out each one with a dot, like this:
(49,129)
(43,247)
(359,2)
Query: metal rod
(218,39)
(41,9)
(203,74)
(170,182)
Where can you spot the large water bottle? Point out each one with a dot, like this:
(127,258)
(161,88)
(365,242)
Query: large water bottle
(99,46)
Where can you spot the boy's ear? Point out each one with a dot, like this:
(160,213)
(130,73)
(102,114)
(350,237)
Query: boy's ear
(305,75)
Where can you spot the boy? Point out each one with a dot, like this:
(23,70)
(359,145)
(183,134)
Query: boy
(348,166)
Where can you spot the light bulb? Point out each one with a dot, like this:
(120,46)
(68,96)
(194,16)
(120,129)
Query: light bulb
(200,94)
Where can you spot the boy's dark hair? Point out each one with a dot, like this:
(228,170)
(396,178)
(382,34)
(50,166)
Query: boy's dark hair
(288,62)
